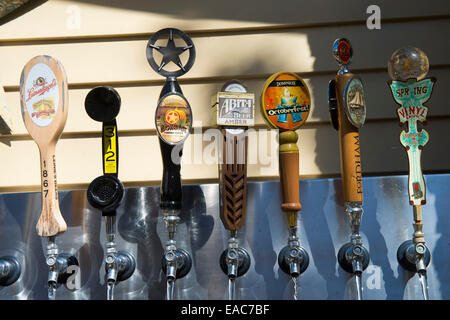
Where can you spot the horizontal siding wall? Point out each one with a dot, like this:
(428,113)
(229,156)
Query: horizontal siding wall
(249,44)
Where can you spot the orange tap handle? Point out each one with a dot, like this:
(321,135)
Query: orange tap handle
(350,151)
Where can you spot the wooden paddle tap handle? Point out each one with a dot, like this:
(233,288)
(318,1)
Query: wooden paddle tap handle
(51,221)
(289,171)
(233,179)
(44,105)
(350,151)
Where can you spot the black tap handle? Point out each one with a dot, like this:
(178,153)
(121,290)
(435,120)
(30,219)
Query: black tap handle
(171,180)
(105,192)
(173,123)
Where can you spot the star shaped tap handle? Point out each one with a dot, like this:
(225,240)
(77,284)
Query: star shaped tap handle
(170,52)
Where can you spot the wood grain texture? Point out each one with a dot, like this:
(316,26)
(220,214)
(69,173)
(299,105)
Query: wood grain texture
(51,222)
(350,151)
(233,179)
(289,174)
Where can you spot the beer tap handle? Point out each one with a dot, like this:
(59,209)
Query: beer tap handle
(286,103)
(233,112)
(348,101)
(173,114)
(171,195)
(105,192)
(233,178)
(348,113)
(407,68)
(173,122)
(44,104)
(349,142)
(173,119)
(289,175)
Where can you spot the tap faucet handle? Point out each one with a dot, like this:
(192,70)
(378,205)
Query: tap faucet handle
(351,116)
(173,123)
(105,192)
(44,105)
(233,111)
(289,171)
(348,113)
(103,104)
(286,103)
(173,115)
(233,179)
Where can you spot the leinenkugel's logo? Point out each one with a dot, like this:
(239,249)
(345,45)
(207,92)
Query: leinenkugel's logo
(41,94)
(44,108)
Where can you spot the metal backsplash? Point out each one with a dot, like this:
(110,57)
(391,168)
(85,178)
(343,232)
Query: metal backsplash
(387,222)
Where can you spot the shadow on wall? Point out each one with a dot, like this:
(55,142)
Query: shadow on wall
(253,10)
(18,11)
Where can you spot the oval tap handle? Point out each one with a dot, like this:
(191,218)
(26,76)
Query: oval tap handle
(173,124)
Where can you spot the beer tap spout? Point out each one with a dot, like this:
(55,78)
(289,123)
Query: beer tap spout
(119,265)
(353,257)
(176,262)
(58,264)
(235,261)
(293,259)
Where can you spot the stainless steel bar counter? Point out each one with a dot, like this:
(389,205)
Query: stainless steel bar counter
(324,228)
